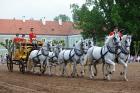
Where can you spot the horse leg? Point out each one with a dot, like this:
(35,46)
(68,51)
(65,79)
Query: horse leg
(111,68)
(91,74)
(74,72)
(49,67)
(82,70)
(124,73)
(29,65)
(64,69)
(50,70)
(103,70)
(42,69)
(95,69)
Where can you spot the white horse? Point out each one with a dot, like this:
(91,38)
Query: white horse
(123,54)
(39,57)
(53,56)
(72,56)
(105,54)
(88,44)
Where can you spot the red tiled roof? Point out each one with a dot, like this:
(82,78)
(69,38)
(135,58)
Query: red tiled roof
(14,26)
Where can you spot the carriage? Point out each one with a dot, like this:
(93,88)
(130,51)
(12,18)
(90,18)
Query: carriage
(18,54)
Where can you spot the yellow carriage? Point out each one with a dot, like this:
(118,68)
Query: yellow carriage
(19,55)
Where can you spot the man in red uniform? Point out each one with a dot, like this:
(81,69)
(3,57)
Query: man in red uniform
(116,31)
(16,39)
(32,35)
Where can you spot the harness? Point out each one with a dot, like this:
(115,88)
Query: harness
(36,58)
(78,54)
(70,56)
(110,50)
(124,51)
(103,54)
(51,58)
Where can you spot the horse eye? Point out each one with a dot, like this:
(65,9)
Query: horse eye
(125,41)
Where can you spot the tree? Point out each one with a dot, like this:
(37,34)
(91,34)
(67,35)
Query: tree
(88,20)
(123,13)
(63,17)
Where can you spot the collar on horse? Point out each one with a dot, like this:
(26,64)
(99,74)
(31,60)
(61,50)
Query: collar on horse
(124,51)
(80,53)
(111,50)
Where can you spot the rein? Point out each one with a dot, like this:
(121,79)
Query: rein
(111,50)
(78,54)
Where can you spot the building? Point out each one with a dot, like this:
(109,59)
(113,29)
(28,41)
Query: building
(45,30)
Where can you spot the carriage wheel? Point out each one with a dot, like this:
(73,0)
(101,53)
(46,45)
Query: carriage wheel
(9,63)
(22,67)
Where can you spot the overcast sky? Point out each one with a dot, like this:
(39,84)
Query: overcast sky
(35,8)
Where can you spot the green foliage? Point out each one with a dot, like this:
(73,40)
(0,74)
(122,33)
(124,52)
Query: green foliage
(124,13)
(8,44)
(61,42)
(63,17)
(90,21)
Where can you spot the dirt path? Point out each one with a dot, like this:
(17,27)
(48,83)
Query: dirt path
(15,82)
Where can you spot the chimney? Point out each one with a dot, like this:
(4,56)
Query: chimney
(14,18)
(31,18)
(23,18)
(60,21)
(43,21)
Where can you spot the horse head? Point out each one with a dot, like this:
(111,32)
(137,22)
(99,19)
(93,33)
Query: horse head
(126,42)
(113,41)
(48,45)
(58,49)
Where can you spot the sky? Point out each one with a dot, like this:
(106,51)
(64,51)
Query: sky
(36,9)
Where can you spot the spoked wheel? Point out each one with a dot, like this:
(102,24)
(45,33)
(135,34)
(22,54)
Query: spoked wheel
(22,66)
(9,63)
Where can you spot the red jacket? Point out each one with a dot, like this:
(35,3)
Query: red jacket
(22,40)
(31,36)
(16,40)
(112,33)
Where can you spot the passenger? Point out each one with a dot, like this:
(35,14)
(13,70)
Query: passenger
(32,35)
(22,39)
(16,39)
(116,31)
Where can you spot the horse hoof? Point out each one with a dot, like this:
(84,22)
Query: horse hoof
(82,75)
(126,79)
(50,75)
(77,75)
(72,75)
(91,77)
(110,72)
(108,78)
(122,73)
(95,74)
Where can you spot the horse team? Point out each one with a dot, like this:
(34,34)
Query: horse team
(84,53)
